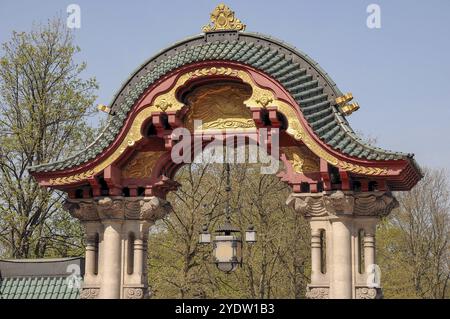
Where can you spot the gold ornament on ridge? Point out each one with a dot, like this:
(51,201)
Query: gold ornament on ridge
(223,19)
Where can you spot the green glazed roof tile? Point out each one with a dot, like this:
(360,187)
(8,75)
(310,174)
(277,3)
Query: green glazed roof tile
(37,288)
(293,69)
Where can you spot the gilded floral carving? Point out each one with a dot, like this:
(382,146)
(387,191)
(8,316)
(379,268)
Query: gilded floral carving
(222,18)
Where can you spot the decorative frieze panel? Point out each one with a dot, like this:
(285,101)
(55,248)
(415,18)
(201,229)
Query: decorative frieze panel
(343,203)
(89,293)
(368,293)
(110,208)
(147,208)
(317,292)
(135,293)
(219,107)
(313,292)
(302,159)
(375,204)
(141,165)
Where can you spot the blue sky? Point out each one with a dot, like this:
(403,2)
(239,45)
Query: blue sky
(399,74)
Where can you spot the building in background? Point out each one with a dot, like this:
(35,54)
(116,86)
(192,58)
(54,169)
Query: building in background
(56,278)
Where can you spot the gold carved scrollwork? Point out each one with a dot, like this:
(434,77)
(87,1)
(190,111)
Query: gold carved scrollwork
(133,135)
(260,97)
(219,107)
(301,159)
(141,165)
(163,105)
(72,179)
(212,71)
(264,100)
(222,18)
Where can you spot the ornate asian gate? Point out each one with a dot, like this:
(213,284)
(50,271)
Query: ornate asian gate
(241,82)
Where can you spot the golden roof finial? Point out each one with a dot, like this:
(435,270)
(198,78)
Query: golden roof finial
(222,18)
(347,108)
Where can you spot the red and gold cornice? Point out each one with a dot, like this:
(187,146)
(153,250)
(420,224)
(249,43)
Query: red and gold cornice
(161,97)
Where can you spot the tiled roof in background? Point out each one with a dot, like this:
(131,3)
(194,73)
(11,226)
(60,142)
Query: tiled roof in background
(37,288)
(41,278)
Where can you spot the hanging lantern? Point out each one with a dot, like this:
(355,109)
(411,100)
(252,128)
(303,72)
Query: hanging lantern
(250,235)
(227,248)
(227,244)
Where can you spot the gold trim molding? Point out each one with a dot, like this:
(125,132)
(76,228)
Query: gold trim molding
(260,98)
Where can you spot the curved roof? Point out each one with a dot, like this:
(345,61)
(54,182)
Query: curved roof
(312,88)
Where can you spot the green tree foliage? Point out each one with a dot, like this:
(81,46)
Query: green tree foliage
(277,266)
(413,242)
(44,102)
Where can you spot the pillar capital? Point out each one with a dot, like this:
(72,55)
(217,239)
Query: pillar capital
(337,250)
(339,203)
(116,243)
(118,208)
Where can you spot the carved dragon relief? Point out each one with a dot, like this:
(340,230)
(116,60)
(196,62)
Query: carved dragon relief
(260,97)
(301,159)
(219,107)
(141,165)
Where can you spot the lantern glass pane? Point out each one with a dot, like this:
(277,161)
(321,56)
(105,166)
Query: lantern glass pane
(227,252)
(204,238)
(223,248)
(250,236)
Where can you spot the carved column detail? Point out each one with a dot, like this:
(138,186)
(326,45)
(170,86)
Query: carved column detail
(316,255)
(318,293)
(368,293)
(341,215)
(116,264)
(91,284)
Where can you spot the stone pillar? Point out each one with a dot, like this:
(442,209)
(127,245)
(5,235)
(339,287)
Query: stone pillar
(110,282)
(135,278)
(341,215)
(121,270)
(341,284)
